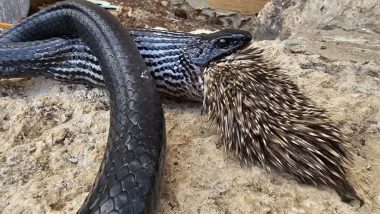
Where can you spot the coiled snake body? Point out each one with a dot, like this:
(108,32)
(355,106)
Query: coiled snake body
(131,172)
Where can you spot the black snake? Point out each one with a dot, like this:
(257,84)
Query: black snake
(132,169)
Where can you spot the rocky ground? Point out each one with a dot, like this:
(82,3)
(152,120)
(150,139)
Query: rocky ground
(53,134)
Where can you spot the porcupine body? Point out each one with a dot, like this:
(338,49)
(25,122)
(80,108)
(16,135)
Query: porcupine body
(264,118)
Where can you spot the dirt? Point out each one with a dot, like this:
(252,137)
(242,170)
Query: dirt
(53,136)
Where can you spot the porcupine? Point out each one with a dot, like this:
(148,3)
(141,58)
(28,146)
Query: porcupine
(264,118)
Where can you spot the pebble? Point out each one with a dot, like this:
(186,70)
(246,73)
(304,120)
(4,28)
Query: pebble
(165,3)
(72,159)
(321,69)
(369,166)
(32,148)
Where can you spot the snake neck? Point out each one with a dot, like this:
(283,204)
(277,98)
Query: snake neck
(170,62)
(70,59)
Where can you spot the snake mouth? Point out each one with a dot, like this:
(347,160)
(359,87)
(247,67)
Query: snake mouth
(245,46)
(228,58)
(225,57)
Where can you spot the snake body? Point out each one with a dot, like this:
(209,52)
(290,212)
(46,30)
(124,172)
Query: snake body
(175,60)
(131,172)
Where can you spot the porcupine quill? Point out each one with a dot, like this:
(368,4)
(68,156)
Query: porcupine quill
(263,117)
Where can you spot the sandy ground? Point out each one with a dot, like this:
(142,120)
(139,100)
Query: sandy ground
(53,135)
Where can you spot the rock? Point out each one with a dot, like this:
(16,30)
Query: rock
(250,7)
(180,13)
(271,20)
(177,2)
(198,4)
(280,18)
(230,19)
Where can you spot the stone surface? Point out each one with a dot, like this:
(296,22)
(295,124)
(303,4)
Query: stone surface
(198,4)
(281,18)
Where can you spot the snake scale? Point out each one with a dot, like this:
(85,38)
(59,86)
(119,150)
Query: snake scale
(131,172)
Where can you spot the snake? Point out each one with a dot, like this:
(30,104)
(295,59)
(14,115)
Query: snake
(78,41)
(175,60)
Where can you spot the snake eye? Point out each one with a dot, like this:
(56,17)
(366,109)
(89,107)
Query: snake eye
(222,43)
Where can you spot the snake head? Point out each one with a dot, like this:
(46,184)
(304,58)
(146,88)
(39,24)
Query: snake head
(217,45)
